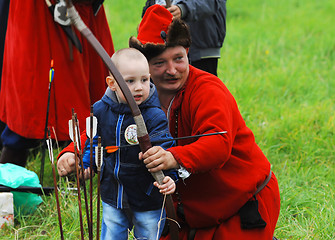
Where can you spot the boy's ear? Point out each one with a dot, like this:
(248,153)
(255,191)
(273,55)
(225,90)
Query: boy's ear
(111,83)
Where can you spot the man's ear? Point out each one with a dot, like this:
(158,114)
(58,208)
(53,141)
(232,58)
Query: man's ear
(111,83)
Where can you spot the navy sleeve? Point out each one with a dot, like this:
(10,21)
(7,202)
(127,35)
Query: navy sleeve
(87,154)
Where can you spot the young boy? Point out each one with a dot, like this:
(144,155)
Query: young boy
(128,195)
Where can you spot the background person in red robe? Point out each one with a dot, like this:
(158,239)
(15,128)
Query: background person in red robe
(33,40)
(4,8)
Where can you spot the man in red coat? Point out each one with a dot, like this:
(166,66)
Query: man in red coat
(33,40)
(228,190)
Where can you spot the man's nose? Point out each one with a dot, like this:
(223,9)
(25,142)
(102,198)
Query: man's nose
(171,68)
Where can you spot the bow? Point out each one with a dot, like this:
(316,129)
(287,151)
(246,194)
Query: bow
(142,133)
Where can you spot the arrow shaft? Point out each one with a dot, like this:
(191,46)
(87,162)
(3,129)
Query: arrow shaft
(57,202)
(49,143)
(77,174)
(193,136)
(91,169)
(173,139)
(98,188)
(82,176)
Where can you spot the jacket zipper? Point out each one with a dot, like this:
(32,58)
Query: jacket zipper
(117,162)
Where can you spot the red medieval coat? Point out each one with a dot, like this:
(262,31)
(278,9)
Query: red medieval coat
(225,169)
(33,39)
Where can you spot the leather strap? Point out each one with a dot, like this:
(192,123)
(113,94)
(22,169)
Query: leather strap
(260,187)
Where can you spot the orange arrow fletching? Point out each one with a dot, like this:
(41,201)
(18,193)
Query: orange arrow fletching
(111,149)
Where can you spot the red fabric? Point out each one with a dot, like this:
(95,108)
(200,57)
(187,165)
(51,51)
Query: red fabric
(149,32)
(32,40)
(70,147)
(226,169)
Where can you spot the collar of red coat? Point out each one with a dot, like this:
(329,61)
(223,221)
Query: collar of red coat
(177,101)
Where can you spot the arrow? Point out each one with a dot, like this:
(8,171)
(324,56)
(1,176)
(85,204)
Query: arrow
(98,162)
(73,136)
(51,156)
(82,175)
(111,149)
(91,131)
(51,77)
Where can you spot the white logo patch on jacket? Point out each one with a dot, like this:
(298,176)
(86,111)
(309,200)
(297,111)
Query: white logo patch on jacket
(131,134)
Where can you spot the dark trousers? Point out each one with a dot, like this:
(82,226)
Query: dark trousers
(207,64)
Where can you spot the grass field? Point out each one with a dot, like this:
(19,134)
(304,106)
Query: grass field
(278,60)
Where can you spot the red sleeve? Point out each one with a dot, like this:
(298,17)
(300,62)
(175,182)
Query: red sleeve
(70,147)
(207,107)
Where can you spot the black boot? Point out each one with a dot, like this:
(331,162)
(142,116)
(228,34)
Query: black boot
(15,156)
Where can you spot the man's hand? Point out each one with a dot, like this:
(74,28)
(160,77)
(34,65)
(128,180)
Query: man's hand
(66,164)
(156,159)
(175,11)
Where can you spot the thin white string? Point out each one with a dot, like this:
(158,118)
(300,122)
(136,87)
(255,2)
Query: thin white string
(131,233)
(161,218)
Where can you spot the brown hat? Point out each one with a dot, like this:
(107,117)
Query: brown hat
(158,31)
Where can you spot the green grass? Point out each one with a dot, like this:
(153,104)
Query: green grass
(278,60)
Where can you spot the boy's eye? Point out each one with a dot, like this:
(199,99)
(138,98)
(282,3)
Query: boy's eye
(129,81)
(145,79)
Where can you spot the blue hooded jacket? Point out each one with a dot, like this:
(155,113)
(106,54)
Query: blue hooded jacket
(125,181)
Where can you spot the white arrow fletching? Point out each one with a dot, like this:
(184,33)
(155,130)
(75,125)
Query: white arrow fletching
(78,136)
(71,129)
(51,156)
(88,127)
(99,157)
(71,133)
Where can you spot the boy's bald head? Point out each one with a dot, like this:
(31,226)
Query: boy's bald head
(134,68)
(126,54)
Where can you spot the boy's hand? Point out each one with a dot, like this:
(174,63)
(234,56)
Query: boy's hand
(87,173)
(168,186)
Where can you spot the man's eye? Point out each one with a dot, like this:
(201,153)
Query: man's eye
(158,63)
